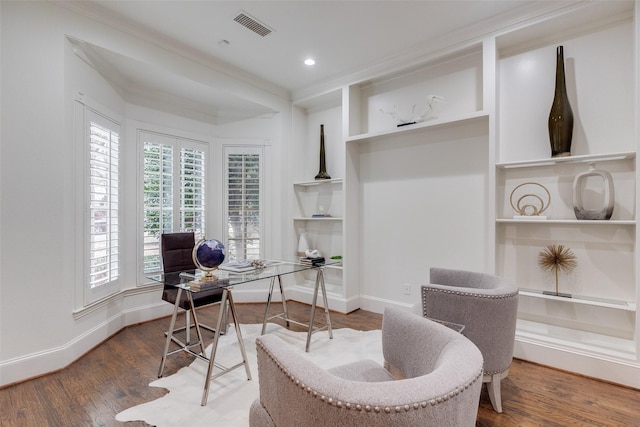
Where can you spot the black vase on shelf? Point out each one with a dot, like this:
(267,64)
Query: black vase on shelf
(322,173)
(561,115)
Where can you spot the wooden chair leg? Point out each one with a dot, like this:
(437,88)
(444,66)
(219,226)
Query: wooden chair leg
(493,387)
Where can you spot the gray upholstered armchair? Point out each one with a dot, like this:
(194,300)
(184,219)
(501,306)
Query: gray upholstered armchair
(487,306)
(432,378)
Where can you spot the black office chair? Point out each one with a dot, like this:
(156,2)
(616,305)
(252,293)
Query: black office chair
(176,250)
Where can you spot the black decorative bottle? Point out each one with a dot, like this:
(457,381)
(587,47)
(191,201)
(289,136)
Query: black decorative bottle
(322,173)
(561,115)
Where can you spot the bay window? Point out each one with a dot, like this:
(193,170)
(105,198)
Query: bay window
(174,188)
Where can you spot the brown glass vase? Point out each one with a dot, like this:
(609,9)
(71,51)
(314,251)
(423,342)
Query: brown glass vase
(322,173)
(561,115)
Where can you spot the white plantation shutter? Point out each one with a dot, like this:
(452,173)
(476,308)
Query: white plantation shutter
(192,191)
(158,201)
(103,203)
(243,190)
(174,179)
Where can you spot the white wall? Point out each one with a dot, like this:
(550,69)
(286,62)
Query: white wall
(424,204)
(41,264)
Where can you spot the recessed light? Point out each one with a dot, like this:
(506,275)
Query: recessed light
(309,61)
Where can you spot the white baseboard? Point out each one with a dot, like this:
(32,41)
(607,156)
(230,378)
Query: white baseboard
(347,305)
(241,295)
(626,373)
(56,358)
(336,302)
(53,359)
(377,305)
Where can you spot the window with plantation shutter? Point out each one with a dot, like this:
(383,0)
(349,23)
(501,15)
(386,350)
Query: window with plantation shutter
(243,210)
(192,191)
(158,200)
(103,205)
(174,179)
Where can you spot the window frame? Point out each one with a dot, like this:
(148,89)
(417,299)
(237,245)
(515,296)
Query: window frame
(86,113)
(244,150)
(178,143)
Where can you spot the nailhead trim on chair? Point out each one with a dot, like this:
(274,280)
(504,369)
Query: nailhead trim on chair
(471,294)
(487,375)
(368,408)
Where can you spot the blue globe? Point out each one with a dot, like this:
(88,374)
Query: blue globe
(208,254)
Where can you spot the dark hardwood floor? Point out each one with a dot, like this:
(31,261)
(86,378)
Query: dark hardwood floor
(115,376)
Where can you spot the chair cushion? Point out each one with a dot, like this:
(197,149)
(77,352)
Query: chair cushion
(200,299)
(362,370)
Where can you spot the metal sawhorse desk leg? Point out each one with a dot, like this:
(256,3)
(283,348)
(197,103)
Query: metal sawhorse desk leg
(183,346)
(226,296)
(319,285)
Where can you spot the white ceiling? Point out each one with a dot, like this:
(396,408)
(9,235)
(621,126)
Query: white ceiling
(345,37)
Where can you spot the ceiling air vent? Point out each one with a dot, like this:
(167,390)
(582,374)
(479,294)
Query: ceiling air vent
(253,24)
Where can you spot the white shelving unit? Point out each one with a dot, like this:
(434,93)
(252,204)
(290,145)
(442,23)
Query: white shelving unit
(318,197)
(436,193)
(323,197)
(579,299)
(589,158)
(312,197)
(317,182)
(325,233)
(598,325)
(478,116)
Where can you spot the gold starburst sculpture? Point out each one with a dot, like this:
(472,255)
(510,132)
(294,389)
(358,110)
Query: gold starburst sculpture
(557,257)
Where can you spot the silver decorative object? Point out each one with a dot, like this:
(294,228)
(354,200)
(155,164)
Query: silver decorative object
(413,117)
(531,201)
(607,190)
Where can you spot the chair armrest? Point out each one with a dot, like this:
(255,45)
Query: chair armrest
(294,391)
(411,344)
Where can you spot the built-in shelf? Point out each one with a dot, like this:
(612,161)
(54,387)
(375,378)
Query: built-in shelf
(564,221)
(484,85)
(590,158)
(584,342)
(580,299)
(319,182)
(594,331)
(408,129)
(332,218)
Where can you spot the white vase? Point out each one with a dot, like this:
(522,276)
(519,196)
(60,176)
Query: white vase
(607,192)
(303,244)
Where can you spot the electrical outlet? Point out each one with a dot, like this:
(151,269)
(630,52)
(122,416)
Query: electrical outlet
(406,289)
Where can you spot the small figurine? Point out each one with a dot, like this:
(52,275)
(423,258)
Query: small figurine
(413,118)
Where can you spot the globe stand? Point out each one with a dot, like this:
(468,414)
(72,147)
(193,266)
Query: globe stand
(207,255)
(208,275)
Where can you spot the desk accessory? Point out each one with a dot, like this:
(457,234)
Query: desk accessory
(207,256)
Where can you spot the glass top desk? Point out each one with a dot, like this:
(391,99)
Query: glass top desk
(227,280)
